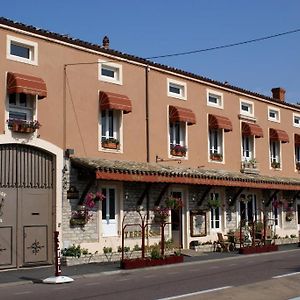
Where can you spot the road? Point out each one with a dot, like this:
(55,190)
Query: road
(266,276)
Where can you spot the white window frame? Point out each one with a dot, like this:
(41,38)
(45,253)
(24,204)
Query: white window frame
(182,135)
(218,95)
(249,104)
(250,150)
(277,113)
(116,68)
(217,148)
(178,84)
(32,46)
(275,156)
(117,132)
(296,117)
(109,227)
(213,219)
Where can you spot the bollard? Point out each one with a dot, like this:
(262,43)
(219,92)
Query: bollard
(58,278)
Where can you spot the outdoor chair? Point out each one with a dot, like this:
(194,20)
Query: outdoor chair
(224,245)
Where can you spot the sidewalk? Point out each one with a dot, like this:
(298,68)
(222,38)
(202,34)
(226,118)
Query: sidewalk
(37,274)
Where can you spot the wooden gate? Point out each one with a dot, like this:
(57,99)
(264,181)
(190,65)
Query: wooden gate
(26,205)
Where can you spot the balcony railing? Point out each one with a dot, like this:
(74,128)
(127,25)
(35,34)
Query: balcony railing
(250,167)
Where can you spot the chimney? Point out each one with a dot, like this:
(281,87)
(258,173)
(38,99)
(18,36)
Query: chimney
(105,42)
(279,94)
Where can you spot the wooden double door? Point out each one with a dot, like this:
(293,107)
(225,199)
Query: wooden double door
(26,206)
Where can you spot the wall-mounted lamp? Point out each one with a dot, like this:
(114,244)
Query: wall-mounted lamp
(126,196)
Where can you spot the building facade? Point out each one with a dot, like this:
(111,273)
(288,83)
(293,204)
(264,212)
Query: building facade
(92,138)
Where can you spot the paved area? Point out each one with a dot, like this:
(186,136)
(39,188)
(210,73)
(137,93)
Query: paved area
(37,274)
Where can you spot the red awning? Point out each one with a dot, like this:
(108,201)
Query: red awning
(179,114)
(297,139)
(219,122)
(279,135)
(20,83)
(252,129)
(114,101)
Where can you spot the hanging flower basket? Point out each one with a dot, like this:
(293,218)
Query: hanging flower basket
(161,214)
(173,203)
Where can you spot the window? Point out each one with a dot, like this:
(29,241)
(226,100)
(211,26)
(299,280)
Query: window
(296,120)
(248,146)
(273,114)
(109,221)
(248,209)
(297,153)
(216,144)
(246,108)
(110,72)
(176,89)
(215,213)
(275,154)
(110,126)
(214,99)
(178,138)
(22,50)
(21,107)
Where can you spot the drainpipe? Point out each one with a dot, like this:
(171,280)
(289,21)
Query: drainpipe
(147,70)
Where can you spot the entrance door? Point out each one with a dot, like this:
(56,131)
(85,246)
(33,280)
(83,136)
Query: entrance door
(176,222)
(298,214)
(26,185)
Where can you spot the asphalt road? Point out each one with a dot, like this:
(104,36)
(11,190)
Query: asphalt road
(266,276)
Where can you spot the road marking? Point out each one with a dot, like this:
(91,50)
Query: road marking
(196,293)
(23,293)
(173,273)
(123,279)
(231,265)
(286,275)
(92,283)
(149,276)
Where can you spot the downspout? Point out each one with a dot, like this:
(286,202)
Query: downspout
(147,69)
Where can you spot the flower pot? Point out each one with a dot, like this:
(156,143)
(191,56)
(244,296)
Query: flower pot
(177,153)
(110,145)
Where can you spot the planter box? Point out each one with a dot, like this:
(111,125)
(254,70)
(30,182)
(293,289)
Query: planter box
(109,145)
(148,262)
(284,241)
(177,153)
(203,248)
(258,249)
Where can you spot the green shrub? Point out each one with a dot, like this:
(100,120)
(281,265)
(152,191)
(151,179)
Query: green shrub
(107,250)
(155,252)
(74,251)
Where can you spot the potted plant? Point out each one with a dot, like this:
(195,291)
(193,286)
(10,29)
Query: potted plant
(17,125)
(178,150)
(213,203)
(216,156)
(275,165)
(110,143)
(173,203)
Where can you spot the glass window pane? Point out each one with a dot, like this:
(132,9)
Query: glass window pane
(19,50)
(107,72)
(104,205)
(23,99)
(17,115)
(12,99)
(111,203)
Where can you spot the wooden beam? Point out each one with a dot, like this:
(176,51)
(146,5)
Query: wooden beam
(271,197)
(162,193)
(141,199)
(206,191)
(86,189)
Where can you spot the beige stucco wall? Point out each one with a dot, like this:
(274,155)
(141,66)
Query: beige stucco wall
(82,110)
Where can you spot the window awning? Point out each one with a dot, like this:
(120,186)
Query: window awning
(20,83)
(219,122)
(179,114)
(252,129)
(297,139)
(279,135)
(114,101)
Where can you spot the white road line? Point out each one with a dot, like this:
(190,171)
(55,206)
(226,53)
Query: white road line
(196,293)
(149,276)
(92,283)
(172,273)
(231,265)
(286,275)
(23,293)
(123,279)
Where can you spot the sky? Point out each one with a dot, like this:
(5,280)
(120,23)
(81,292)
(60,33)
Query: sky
(147,28)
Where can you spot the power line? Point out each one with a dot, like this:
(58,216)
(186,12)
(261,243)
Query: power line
(226,46)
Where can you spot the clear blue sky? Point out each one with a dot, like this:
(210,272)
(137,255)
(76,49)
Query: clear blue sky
(157,27)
